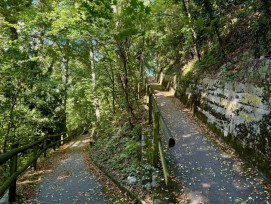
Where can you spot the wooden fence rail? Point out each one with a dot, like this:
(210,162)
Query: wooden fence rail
(12,156)
(158,120)
(164,127)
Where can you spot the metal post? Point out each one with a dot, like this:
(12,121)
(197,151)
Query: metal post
(150,108)
(13,169)
(155,139)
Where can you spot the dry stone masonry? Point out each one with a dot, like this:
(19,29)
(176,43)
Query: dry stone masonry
(239,112)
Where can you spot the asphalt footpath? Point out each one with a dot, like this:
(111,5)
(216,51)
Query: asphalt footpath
(71,181)
(208,174)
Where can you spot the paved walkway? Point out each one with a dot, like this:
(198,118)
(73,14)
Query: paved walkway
(208,174)
(70,181)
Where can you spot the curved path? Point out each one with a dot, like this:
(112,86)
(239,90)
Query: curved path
(71,181)
(209,175)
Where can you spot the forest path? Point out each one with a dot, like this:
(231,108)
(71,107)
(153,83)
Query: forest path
(208,173)
(70,181)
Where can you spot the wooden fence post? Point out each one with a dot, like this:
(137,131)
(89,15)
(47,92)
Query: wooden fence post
(155,139)
(139,151)
(146,86)
(150,108)
(45,145)
(164,164)
(13,169)
(54,140)
(35,152)
(138,90)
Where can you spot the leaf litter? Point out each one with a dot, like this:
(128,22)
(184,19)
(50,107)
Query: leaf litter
(34,182)
(231,164)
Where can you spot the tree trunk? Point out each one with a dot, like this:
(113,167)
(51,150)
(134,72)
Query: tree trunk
(65,78)
(209,9)
(141,68)
(93,82)
(193,32)
(122,52)
(10,122)
(113,89)
(265,25)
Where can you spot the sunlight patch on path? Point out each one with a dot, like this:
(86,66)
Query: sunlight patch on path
(70,181)
(208,174)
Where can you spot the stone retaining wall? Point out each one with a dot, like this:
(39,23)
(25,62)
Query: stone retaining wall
(239,112)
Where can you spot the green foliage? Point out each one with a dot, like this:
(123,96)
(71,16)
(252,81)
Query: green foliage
(115,147)
(132,147)
(68,65)
(211,31)
(137,131)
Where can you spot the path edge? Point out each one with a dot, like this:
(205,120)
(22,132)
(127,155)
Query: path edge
(117,183)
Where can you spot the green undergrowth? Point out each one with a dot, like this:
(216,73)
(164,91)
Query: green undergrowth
(116,147)
(113,196)
(238,64)
(118,150)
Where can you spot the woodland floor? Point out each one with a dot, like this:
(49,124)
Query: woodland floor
(67,177)
(209,170)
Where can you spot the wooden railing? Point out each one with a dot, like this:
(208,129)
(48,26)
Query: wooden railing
(38,148)
(158,121)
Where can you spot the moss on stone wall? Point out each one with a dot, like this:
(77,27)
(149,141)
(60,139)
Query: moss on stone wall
(252,99)
(252,145)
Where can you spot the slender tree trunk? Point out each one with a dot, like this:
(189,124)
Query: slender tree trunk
(65,78)
(10,122)
(122,52)
(265,25)
(3,130)
(141,68)
(124,78)
(93,77)
(113,89)
(209,9)
(193,32)
(111,75)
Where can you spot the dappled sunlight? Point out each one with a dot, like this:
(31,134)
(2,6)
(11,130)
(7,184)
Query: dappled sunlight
(205,148)
(63,161)
(76,144)
(188,135)
(70,180)
(196,197)
(29,181)
(206,185)
(47,170)
(237,167)
(209,174)
(165,93)
(79,145)
(31,177)
(189,67)
(66,146)
(33,173)
(225,155)
(240,185)
(86,139)
(64,174)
